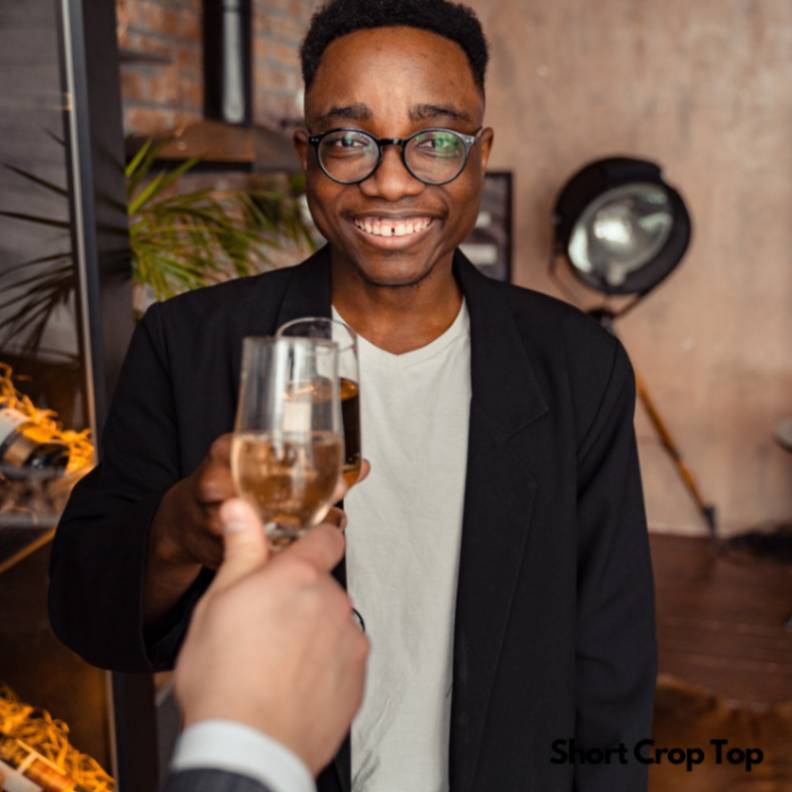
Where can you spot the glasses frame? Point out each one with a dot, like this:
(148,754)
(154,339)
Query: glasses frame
(468,140)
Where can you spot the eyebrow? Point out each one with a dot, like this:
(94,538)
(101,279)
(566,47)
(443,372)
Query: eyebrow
(355,112)
(420,112)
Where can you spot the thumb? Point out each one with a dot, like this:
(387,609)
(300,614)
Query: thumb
(321,547)
(244,542)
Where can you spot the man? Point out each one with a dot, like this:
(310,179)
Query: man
(498,550)
(272,668)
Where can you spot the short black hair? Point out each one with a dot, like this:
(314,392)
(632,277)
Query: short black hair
(336,18)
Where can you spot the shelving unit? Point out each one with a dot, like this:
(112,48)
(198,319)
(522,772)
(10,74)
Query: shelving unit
(63,124)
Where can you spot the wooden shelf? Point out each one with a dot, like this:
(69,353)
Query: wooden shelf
(254,148)
(19,537)
(137,57)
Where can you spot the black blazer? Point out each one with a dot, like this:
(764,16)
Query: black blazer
(554,630)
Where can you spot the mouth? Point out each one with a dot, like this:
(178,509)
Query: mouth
(392,232)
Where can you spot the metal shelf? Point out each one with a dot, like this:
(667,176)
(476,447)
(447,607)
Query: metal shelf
(31,506)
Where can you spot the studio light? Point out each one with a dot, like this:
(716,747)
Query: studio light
(623,230)
(620,226)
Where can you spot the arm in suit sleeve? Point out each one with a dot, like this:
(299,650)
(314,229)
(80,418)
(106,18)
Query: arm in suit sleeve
(206,780)
(616,646)
(100,549)
(225,756)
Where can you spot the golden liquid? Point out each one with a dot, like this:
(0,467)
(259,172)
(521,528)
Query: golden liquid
(350,416)
(289,478)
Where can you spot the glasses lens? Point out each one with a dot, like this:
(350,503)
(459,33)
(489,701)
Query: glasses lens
(348,156)
(436,155)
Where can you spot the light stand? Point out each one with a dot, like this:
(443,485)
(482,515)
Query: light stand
(622,229)
(707,510)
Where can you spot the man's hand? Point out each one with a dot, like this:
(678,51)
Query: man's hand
(187,528)
(273,644)
(186,532)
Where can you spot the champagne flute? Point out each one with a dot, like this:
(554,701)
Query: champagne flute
(346,338)
(287,447)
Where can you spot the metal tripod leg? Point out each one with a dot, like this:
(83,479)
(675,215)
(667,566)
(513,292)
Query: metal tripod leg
(707,510)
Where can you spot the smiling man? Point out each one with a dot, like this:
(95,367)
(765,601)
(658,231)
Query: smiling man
(498,549)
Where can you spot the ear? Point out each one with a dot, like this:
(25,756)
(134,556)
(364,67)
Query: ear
(486,139)
(300,140)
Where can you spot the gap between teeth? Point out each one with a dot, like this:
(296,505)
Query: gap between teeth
(379,228)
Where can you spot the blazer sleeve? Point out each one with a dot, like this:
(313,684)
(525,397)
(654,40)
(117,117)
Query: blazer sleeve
(214,781)
(616,646)
(98,559)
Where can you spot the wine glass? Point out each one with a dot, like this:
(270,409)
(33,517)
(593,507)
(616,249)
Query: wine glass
(346,338)
(287,447)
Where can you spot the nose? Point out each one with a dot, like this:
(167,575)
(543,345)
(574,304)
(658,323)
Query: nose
(391,181)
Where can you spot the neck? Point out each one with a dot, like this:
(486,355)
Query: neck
(397,319)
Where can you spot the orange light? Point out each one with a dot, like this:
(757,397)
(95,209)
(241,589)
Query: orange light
(45,427)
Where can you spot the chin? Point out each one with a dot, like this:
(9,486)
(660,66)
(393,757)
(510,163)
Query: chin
(392,276)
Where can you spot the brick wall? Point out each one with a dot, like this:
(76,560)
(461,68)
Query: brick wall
(279,26)
(161,96)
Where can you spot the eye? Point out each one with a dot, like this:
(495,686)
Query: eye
(350,142)
(346,141)
(439,144)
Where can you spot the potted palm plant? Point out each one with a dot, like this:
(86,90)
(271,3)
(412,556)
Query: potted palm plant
(179,240)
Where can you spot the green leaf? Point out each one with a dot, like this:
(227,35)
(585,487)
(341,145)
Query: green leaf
(158,184)
(145,194)
(133,165)
(142,168)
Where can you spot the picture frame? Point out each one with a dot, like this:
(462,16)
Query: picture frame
(489,245)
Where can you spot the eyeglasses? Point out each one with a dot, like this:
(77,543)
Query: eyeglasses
(433,156)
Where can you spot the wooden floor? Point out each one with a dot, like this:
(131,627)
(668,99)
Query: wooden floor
(720,620)
(725,662)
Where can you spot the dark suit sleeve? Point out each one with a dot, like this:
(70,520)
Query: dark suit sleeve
(616,648)
(214,781)
(99,553)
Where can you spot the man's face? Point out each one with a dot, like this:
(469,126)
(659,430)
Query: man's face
(392,82)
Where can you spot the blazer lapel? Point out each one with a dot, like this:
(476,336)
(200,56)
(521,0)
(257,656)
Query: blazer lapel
(499,495)
(307,294)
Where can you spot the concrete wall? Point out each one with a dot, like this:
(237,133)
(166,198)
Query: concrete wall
(705,89)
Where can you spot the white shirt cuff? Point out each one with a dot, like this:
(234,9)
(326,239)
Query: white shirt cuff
(231,746)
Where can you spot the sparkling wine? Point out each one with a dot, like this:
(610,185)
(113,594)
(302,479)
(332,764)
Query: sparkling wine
(289,477)
(350,415)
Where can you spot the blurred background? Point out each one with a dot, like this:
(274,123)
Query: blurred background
(212,190)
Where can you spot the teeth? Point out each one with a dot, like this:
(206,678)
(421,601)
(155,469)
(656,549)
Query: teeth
(388,228)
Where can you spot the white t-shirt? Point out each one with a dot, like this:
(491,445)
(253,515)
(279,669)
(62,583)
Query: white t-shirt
(403,542)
